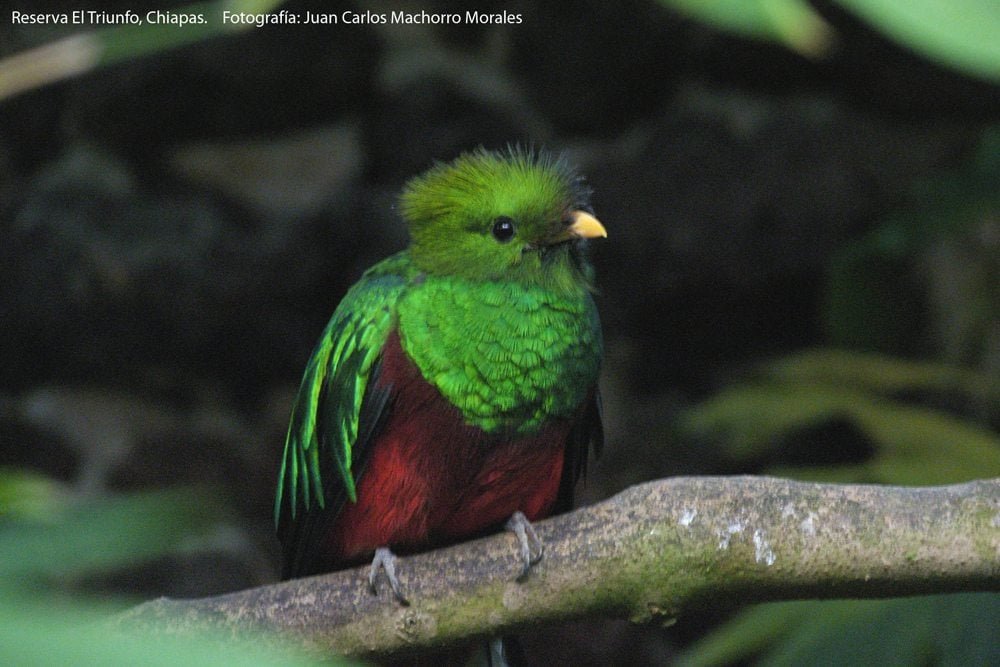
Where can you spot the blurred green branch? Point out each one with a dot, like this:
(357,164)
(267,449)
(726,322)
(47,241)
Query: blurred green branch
(52,540)
(962,34)
(793,23)
(912,442)
(865,417)
(645,554)
(85,51)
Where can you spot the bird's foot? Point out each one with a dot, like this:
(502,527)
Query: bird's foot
(531,547)
(385,560)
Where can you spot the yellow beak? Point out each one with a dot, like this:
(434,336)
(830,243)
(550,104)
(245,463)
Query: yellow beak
(585,226)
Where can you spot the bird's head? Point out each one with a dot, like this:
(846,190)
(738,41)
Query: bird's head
(513,215)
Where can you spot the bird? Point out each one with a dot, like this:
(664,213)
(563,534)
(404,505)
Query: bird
(454,392)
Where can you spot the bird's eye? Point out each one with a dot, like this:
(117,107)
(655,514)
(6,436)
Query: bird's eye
(503,229)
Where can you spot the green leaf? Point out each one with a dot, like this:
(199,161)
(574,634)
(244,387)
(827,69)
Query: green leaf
(881,374)
(32,633)
(103,534)
(923,446)
(939,629)
(915,445)
(41,626)
(81,52)
(793,23)
(753,630)
(964,34)
(751,418)
(25,494)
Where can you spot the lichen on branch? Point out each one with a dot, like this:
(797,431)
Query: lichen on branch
(645,554)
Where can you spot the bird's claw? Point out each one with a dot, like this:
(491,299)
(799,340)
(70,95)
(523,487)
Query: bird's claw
(531,547)
(385,560)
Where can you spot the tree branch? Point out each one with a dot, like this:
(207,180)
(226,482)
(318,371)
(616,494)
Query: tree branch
(645,554)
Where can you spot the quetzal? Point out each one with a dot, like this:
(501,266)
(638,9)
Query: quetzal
(454,391)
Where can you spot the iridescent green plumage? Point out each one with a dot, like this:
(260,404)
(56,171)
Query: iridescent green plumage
(503,326)
(326,415)
(507,355)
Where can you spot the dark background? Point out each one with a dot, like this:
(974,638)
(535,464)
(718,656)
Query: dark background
(176,230)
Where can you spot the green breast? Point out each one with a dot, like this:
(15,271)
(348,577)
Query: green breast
(507,355)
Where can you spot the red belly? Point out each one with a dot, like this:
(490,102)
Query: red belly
(431,479)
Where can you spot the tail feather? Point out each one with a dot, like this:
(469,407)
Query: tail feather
(504,652)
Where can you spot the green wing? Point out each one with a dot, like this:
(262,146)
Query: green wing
(338,407)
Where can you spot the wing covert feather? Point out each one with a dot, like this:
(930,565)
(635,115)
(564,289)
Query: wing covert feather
(318,470)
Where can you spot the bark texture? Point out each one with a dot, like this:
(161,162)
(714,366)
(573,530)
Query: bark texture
(644,554)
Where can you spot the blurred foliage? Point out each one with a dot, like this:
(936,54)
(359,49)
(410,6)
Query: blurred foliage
(128,42)
(25,494)
(50,541)
(920,422)
(77,538)
(85,51)
(933,630)
(925,279)
(793,23)
(912,443)
(76,633)
(963,34)
(923,282)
